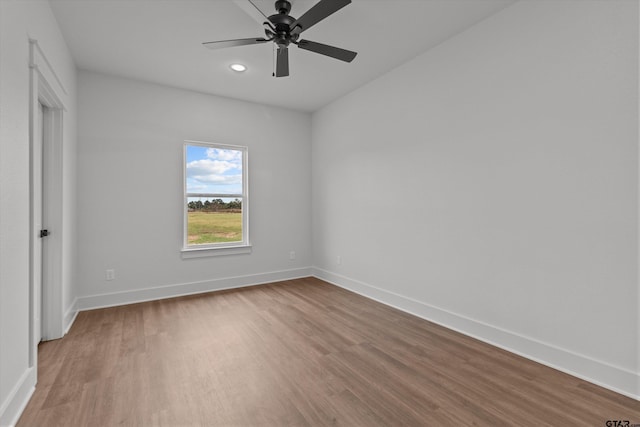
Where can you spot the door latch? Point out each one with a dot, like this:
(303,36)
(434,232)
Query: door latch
(44,233)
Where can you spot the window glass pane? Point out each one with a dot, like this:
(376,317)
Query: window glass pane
(214,220)
(215,214)
(213,170)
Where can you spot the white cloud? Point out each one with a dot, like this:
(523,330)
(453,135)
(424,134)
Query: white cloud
(209,167)
(218,179)
(219,172)
(234,156)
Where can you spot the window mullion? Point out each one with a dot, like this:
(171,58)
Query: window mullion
(220,196)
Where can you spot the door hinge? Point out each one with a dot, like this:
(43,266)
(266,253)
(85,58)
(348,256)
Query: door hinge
(44,233)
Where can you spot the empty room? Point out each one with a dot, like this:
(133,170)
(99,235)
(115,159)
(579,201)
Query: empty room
(319,212)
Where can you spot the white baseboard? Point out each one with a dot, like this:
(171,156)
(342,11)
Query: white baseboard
(17,400)
(182,289)
(614,378)
(70,316)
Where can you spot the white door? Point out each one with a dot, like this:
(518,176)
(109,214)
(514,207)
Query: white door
(37,168)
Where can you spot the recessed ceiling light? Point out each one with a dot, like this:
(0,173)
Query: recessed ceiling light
(238,67)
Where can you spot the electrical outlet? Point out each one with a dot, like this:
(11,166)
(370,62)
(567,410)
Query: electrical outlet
(110,274)
(339,260)
(292,255)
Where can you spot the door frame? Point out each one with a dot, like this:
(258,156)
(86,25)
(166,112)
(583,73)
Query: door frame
(47,90)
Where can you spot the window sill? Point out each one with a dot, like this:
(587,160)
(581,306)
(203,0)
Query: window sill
(188,253)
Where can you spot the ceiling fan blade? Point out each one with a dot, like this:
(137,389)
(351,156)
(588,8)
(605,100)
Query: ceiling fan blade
(250,8)
(282,62)
(317,13)
(258,9)
(324,49)
(232,43)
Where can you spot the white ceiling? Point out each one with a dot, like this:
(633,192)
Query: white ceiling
(161,41)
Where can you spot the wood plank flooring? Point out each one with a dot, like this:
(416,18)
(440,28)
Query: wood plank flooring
(296,353)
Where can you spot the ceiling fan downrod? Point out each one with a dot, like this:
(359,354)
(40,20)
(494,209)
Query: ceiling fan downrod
(283,7)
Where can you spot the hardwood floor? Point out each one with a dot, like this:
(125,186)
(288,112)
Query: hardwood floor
(301,353)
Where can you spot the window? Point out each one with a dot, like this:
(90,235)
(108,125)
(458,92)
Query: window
(215,198)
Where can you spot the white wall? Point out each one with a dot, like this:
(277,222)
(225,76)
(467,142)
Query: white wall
(130,173)
(491,184)
(20,21)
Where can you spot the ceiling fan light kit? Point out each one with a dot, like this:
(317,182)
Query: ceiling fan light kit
(283,29)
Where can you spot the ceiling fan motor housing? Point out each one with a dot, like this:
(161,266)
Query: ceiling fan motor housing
(282,23)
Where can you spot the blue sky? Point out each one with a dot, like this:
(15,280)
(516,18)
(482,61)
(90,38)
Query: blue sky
(213,170)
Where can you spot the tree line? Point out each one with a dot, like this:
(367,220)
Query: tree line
(215,205)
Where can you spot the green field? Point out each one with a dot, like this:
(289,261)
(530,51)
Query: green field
(214,227)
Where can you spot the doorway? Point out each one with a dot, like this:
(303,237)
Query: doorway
(46,315)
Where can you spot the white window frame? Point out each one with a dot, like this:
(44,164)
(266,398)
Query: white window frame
(215,249)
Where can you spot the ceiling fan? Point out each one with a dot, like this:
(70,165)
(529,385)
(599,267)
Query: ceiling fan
(283,29)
